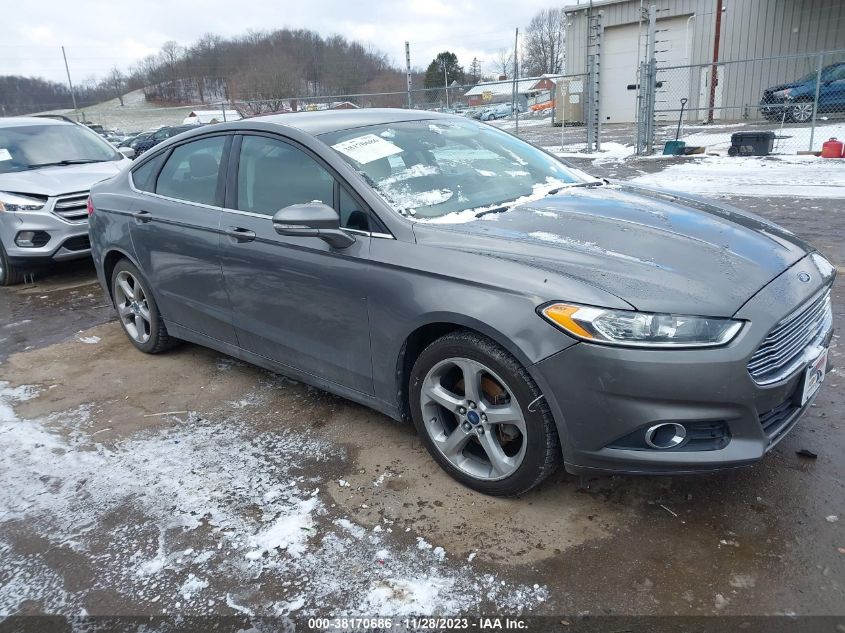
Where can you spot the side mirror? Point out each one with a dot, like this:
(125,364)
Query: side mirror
(127,151)
(313,219)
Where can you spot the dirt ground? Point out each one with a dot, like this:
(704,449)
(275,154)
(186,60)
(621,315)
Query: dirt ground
(192,483)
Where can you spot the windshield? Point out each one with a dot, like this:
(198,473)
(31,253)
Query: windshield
(440,167)
(30,146)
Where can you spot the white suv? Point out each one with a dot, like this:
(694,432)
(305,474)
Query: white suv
(47,167)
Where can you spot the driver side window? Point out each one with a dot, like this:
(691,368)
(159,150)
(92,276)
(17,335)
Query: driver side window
(273,174)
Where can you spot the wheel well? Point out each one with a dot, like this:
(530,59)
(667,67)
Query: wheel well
(108,266)
(416,342)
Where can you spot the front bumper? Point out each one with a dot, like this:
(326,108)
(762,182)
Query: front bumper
(65,240)
(601,396)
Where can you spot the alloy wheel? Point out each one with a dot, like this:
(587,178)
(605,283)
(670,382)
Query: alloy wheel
(802,112)
(132,306)
(473,418)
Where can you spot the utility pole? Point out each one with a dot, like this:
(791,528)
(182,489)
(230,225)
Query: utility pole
(70,83)
(516,78)
(408,70)
(714,73)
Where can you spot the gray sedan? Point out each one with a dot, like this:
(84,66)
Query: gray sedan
(519,312)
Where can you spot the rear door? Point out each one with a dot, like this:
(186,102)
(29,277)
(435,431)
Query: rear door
(295,300)
(175,234)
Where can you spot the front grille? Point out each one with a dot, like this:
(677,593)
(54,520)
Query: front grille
(781,353)
(73,208)
(78,243)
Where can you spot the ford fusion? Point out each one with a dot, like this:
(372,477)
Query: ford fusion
(521,313)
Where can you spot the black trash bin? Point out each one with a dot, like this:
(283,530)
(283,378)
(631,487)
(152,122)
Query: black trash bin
(751,143)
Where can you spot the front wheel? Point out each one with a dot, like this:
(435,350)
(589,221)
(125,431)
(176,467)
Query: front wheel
(801,112)
(10,274)
(481,415)
(137,310)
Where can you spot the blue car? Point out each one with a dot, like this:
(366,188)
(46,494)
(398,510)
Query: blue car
(795,99)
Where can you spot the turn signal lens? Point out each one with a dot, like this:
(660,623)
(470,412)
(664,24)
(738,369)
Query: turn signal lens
(640,329)
(90,205)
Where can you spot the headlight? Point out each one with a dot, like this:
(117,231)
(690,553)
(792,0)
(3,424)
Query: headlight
(16,202)
(640,329)
(782,94)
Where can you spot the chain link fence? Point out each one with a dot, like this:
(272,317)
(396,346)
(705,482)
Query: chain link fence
(799,99)
(543,110)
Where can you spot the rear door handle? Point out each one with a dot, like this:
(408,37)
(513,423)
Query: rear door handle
(142,216)
(240,235)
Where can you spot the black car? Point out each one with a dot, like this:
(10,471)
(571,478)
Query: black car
(161,134)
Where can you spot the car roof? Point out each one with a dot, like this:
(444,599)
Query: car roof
(325,121)
(19,121)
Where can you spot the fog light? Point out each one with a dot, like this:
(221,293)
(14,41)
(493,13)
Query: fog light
(666,435)
(32,239)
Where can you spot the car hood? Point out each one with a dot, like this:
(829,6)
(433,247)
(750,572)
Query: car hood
(656,250)
(54,181)
(792,84)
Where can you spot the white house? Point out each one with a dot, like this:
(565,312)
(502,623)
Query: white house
(203,117)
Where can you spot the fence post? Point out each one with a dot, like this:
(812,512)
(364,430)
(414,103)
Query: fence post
(408,70)
(816,100)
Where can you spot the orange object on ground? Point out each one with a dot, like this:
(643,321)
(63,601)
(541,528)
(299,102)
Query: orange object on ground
(833,149)
(542,106)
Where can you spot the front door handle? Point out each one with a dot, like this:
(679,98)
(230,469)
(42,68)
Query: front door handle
(240,235)
(142,216)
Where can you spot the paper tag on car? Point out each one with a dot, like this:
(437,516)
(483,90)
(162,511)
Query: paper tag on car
(4,154)
(367,148)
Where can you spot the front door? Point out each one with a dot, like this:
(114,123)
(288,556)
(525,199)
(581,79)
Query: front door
(175,234)
(295,300)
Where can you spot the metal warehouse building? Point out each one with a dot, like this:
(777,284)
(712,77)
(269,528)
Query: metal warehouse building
(768,31)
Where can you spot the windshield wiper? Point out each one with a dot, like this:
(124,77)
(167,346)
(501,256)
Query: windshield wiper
(68,161)
(481,214)
(592,183)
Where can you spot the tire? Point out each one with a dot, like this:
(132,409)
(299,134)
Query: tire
(137,310)
(461,427)
(10,274)
(801,111)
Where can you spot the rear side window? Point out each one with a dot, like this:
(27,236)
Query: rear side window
(273,175)
(192,171)
(144,177)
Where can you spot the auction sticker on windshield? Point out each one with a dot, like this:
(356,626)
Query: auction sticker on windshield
(367,148)
(4,154)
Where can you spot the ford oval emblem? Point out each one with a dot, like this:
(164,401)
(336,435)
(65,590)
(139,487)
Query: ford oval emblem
(804,277)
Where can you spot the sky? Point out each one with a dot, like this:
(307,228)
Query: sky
(99,35)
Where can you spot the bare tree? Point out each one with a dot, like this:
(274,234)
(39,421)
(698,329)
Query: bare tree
(115,82)
(543,43)
(502,62)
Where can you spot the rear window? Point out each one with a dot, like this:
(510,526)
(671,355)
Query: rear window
(192,171)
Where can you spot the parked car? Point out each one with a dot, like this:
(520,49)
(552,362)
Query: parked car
(47,166)
(615,328)
(500,111)
(796,99)
(159,135)
(126,142)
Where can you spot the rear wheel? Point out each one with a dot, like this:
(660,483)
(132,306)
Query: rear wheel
(137,310)
(470,404)
(9,273)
